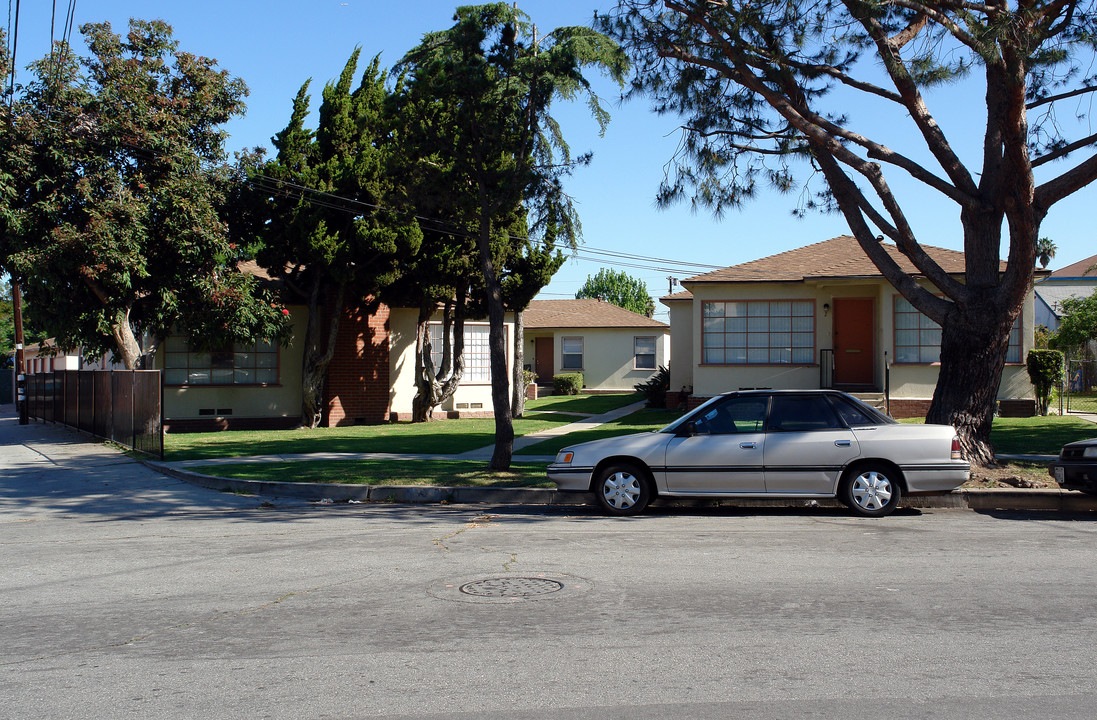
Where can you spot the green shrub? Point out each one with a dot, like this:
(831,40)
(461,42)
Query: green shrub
(1045,369)
(567,383)
(655,388)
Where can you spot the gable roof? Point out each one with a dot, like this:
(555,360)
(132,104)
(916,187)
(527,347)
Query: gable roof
(585,313)
(840,257)
(1078,270)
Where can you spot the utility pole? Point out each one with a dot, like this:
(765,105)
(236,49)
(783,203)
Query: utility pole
(20,372)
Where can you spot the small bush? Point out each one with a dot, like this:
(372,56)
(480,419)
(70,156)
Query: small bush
(1045,369)
(655,388)
(567,383)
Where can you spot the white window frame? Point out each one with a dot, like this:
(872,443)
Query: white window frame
(477,352)
(636,354)
(564,354)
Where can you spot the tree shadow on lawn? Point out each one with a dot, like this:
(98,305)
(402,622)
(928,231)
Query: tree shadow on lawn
(1038,435)
(444,437)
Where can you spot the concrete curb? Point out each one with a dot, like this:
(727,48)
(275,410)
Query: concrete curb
(965,499)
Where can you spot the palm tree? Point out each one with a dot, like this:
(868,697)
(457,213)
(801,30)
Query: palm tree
(1045,251)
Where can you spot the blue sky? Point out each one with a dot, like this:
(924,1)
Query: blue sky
(275,45)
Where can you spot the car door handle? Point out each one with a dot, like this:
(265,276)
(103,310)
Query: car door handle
(842,443)
(748,445)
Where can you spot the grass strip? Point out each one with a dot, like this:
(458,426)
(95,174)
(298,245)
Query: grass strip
(439,473)
(644,420)
(441,437)
(586,404)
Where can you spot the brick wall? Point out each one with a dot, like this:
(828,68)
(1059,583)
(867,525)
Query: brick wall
(358,377)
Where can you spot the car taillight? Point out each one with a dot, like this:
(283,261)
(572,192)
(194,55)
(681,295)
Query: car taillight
(956,449)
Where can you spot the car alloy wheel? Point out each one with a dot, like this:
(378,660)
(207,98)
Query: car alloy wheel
(869,490)
(622,490)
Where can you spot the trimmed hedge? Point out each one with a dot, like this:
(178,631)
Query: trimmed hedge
(567,383)
(1045,370)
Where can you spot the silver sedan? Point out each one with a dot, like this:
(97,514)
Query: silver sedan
(804,444)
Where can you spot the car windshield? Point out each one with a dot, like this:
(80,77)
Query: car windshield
(697,412)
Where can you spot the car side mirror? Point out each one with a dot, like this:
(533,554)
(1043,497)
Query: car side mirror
(687,429)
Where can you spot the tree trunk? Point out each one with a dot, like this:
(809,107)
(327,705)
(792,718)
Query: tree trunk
(497,348)
(518,387)
(427,387)
(973,353)
(318,354)
(129,350)
(435,386)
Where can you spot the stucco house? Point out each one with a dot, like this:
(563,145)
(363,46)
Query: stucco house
(370,380)
(1075,280)
(822,316)
(614,348)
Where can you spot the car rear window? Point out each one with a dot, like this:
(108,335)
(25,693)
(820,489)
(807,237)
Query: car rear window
(856,414)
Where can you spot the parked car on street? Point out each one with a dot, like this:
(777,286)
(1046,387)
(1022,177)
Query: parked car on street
(1076,468)
(771,443)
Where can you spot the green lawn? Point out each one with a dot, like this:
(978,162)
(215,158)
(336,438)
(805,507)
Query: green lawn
(385,472)
(639,421)
(1035,435)
(1038,435)
(588,404)
(441,437)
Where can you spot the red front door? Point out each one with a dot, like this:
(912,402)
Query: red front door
(854,349)
(544,354)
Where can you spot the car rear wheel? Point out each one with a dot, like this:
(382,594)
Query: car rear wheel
(622,489)
(870,490)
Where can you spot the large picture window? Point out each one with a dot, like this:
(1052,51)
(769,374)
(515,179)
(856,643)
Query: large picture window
(254,364)
(918,339)
(758,332)
(477,356)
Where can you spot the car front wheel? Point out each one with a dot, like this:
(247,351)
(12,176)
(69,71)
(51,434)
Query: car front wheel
(870,490)
(622,489)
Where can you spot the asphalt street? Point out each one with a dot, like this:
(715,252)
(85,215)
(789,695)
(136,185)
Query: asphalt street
(124,593)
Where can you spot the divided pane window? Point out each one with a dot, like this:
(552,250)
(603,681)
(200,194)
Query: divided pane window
(758,332)
(477,356)
(239,364)
(918,339)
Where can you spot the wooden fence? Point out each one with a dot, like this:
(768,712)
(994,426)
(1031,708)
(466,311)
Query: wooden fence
(124,406)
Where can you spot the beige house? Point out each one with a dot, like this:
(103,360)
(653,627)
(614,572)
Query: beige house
(614,348)
(822,316)
(371,378)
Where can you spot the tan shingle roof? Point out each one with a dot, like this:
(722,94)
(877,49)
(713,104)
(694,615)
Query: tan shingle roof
(1078,269)
(583,314)
(838,257)
(680,296)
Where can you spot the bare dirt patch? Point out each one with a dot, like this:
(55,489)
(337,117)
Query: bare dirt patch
(1015,475)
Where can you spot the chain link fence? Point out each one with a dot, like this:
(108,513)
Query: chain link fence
(1080,386)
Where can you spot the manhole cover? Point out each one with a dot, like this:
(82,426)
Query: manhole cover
(517,586)
(509,588)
